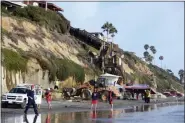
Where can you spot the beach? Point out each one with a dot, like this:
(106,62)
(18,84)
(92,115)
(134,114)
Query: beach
(76,106)
(128,111)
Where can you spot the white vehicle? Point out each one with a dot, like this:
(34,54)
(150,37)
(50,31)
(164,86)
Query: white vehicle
(18,95)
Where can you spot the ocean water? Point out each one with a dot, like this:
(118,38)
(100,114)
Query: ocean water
(163,113)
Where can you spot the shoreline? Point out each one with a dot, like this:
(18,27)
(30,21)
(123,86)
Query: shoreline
(83,106)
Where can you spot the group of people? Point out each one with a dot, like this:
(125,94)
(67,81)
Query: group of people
(31,100)
(95,97)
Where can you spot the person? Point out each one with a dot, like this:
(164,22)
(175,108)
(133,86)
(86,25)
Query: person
(31,101)
(48,98)
(145,96)
(110,98)
(56,85)
(137,96)
(148,95)
(94,99)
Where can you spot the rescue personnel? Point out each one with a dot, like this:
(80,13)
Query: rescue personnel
(56,85)
(48,98)
(148,95)
(110,98)
(31,101)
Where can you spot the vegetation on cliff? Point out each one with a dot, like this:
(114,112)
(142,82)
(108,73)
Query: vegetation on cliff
(58,68)
(49,19)
(13,61)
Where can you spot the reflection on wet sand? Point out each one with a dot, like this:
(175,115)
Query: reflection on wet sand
(27,121)
(48,118)
(105,116)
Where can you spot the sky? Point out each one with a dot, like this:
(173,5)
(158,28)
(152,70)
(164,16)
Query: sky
(160,24)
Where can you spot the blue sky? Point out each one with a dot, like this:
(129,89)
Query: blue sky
(160,24)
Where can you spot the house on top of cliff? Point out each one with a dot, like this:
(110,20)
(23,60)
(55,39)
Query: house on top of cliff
(43,4)
(11,6)
(99,35)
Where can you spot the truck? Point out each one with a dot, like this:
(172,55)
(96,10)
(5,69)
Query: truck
(104,83)
(18,95)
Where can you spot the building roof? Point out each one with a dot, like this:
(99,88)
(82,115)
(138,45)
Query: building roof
(97,33)
(10,3)
(57,8)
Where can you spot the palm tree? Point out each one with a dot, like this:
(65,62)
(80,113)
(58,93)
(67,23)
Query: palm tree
(106,28)
(149,58)
(146,46)
(181,74)
(113,30)
(146,54)
(161,58)
(153,50)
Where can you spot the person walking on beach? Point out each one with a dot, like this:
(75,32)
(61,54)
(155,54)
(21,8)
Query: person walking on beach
(94,99)
(110,98)
(31,101)
(48,98)
(148,95)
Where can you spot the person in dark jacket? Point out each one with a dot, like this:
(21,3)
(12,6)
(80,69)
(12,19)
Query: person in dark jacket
(94,98)
(31,101)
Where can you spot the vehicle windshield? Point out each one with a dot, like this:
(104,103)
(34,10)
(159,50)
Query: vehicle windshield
(18,90)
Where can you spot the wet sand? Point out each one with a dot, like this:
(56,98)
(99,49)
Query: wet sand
(67,106)
(150,113)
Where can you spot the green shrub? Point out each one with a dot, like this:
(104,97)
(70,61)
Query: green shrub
(3,10)
(13,61)
(49,19)
(68,68)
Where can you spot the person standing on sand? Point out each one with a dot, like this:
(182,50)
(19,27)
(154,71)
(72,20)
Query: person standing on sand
(48,98)
(110,98)
(94,99)
(148,95)
(31,101)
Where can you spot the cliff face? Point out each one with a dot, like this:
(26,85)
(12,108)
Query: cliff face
(36,54)
(25,37)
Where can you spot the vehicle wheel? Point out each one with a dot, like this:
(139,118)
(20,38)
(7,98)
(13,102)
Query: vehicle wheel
(23,105)
(4,105)
(104,95)
(86,94)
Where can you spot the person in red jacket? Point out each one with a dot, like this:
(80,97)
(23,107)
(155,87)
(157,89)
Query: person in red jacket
(110,98)
(48,98)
